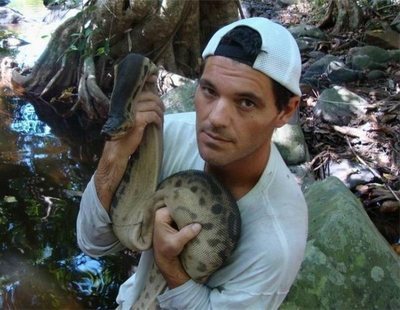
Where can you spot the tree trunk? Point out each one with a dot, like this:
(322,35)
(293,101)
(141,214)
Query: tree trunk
(73,79)
(348,16)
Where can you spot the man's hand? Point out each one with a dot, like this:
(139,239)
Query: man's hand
(149,109)
(168,243)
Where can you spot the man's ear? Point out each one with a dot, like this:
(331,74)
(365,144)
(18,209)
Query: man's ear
(287,112)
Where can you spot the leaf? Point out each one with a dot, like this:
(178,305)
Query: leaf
(10,199)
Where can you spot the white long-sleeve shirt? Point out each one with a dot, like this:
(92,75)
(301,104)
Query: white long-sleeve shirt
(271,247)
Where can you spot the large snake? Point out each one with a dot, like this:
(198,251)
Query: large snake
(191,196)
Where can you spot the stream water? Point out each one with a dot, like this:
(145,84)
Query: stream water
(41,183)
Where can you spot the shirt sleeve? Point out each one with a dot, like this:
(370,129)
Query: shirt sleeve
(93,226)
(192,295)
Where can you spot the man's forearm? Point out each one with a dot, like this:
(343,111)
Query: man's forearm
(109,174)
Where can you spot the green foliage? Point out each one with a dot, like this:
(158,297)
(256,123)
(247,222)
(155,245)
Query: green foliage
(33,209)
(105,49)
(318,3)
(82,40)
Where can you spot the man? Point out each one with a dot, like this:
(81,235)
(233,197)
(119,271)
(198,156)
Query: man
(249,86)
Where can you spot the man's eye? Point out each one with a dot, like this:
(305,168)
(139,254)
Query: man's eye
(208,91)
(246,104)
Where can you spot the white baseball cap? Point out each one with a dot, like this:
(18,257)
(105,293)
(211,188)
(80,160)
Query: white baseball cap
(279,57)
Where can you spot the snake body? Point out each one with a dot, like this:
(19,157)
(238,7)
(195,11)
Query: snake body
(191,196)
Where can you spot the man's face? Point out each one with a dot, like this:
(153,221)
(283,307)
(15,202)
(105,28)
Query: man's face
(236,113)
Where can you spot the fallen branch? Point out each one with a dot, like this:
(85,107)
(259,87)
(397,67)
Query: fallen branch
(353,132)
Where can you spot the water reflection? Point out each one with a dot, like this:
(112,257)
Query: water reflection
(41,181)
(26,121)
(40,187)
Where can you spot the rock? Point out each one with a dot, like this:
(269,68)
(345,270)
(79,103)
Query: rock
(338,73)
(291,144)
(339,106)
(307,36)
(368,58)
(310,31)
(387,38)
(316,70)
(394,55)
(306,44)
(363,62)
(376,75)
(4,2)
(330,69)
(348,264)
(350,173)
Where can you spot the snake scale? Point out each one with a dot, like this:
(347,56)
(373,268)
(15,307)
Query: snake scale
(191,196)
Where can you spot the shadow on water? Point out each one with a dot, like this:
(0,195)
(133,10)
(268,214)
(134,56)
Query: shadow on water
(41,266)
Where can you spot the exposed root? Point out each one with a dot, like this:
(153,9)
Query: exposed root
(84,100)
(91,98)
(63,78)
(102,102)
(55,79)
(327,21)
(348,16)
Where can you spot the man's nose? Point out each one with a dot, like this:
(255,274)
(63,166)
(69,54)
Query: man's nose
(220,113)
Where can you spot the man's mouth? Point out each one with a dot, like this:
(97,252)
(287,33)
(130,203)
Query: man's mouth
(213,136)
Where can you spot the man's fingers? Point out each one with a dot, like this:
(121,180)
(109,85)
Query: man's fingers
(174,240)
(163,215)
(145,118)
(147,97)
(149,109)
(188,232)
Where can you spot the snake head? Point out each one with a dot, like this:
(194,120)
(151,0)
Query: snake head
(130,76)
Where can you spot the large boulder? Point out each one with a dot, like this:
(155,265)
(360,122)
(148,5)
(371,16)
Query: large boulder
(307,36)
(386,38)
(332,69)
(338,106)
(291,144)
(348,264)
(371,57)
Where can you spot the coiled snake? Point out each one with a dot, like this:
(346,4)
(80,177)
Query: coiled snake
(191,196)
